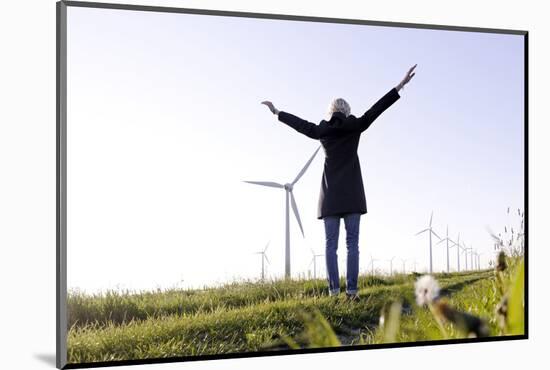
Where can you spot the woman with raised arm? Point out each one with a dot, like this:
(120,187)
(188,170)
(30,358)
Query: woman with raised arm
(342,194)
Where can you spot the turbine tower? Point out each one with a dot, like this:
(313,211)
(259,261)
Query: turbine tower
(446,240)
(289,199)
(475,259)
(478,255)
(264,259)
(457,245)
(430,232)
(391,265)
(403,261)
(465,250)
(372,260)
(314,262)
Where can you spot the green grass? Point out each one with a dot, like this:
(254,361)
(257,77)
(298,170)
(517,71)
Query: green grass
(419,324)
(118,308)
(252,316)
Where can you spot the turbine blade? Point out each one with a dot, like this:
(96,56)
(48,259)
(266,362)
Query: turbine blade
(267,245)
(305,167)
(431,218)
(441,241)
(420,232)
(271,184)
(433,232)
(295,209)
(267,259)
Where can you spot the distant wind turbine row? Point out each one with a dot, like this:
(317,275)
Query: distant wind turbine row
(451,244)
(390,260)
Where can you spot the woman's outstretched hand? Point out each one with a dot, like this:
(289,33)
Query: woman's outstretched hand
(271,107)
(410,74)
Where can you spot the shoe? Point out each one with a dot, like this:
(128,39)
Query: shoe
(354,297)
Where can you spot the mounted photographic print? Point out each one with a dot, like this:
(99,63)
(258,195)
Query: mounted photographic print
(237,184)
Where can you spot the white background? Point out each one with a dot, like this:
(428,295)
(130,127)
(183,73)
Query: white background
(27,183)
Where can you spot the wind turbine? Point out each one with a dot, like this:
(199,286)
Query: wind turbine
(314,262)
(472,256)
(478,255)
(391,265)
(289,199)
(476,264)
(478,260)
(264,259)
(372,264)
(457,245)
(446,240)
(465,250)
(430,232)
(403,261)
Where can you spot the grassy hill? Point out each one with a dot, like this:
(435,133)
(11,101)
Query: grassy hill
(274,315)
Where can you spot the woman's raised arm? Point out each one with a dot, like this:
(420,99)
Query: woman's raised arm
(309,129)
(384,103)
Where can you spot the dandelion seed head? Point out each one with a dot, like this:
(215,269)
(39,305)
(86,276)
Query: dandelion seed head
(381,321)
(426,290)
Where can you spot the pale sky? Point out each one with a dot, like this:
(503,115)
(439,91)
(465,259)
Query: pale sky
(165,122)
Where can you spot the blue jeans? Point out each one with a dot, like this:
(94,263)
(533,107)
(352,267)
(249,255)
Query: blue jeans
(332,230)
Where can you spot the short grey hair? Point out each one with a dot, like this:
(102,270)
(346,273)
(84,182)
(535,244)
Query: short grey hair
(338,105)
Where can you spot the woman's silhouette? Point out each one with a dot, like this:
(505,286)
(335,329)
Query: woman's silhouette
(342,194)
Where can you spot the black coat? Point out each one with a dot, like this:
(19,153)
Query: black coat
(342,189)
